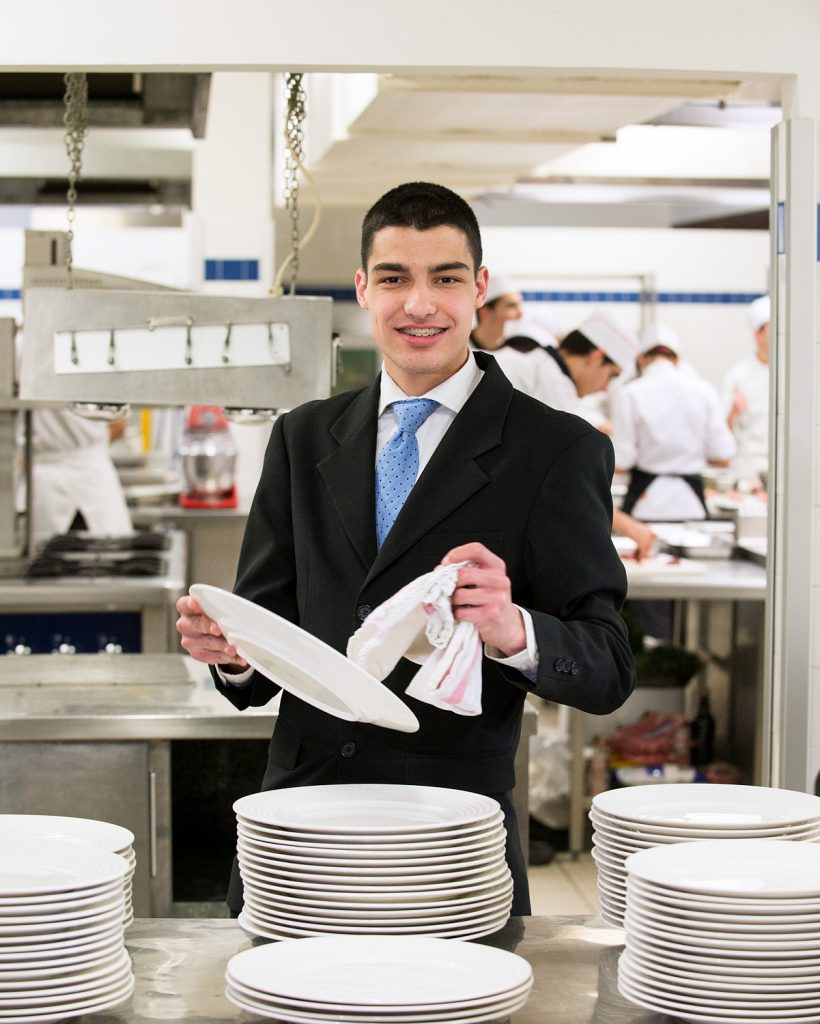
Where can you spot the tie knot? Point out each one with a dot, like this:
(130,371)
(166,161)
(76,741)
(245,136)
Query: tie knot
(412,412)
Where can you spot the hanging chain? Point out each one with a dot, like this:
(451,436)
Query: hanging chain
(75,119)
(294,120)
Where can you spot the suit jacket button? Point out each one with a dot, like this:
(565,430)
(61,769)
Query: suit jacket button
(574,668)
(363,611)
(347,749)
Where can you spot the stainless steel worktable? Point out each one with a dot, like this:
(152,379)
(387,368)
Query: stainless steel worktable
(180,969)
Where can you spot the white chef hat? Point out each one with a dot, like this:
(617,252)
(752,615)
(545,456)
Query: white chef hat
(759,312)
(541,325)
(616,339)
(500,284)
(660,334)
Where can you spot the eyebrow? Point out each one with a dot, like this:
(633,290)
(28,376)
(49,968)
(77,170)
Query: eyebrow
(439,268)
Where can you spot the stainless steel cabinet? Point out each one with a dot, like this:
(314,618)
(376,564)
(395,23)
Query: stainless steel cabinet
(127,783)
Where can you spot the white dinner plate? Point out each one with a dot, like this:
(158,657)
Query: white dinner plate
(88,988)
(726,918)
(310,1005)
(375,882)
(719,938)
(258,928)
(707,902)
(341,922)
(382,911)
(302,664)
(721,967)
(273,925)
(494,1012)
(388,971)
(396,861)
(724,983)
(103,834)
(370,809)
(703,1000)
(699,805)
(661,946)
(73,1008)
(743,867)
(375,894)
(677,1009)
(669,834)
(30,866)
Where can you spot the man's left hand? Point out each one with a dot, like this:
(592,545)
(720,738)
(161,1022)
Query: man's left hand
(483,596)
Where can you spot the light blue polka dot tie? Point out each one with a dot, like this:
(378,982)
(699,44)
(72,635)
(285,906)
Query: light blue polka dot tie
(398,463)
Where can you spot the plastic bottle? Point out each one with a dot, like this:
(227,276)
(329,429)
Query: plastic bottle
(702,732)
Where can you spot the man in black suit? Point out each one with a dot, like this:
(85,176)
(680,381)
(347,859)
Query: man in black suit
(516,488)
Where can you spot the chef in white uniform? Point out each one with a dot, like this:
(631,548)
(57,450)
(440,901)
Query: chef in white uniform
(561,373)
(746,398)
(582,364)
(74,482)
(668,425)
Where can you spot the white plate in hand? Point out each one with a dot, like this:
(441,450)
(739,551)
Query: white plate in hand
(302,664)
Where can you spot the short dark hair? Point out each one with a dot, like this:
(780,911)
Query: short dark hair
(421,205)
(578,344)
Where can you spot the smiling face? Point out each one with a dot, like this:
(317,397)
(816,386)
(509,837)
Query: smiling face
(421,288)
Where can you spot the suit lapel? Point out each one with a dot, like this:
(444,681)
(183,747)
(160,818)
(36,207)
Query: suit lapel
(452,475)
(348,472)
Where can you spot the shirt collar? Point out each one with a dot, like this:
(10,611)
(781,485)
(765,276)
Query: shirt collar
(451,393)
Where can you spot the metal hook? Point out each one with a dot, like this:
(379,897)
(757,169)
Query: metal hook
(189,349)
(112,351)
(226,348)
(75,355)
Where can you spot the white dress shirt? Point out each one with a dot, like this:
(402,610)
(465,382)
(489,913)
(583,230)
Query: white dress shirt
(669,423)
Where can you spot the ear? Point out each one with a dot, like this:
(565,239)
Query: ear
(361,285)
(481,281)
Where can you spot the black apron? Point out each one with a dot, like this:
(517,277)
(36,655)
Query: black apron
(640,480)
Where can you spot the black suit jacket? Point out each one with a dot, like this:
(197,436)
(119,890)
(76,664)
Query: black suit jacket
(530,483)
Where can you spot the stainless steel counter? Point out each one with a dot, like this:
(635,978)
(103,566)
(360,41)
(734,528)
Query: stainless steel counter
(730,579)
(120,697)
(180,969)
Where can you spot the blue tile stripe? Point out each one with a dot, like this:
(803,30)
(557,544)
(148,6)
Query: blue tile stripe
(684,298)
(231,270)
(349,294)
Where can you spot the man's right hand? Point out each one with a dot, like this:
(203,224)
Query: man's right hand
(202,638)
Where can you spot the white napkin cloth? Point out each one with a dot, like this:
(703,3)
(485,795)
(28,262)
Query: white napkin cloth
(417,623)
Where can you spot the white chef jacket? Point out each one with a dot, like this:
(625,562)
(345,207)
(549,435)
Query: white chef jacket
(751,379)
(72,472)
(537,374)
(670,423)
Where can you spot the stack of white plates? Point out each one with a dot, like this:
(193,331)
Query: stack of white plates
(628,820)
(724,931)
(104,835)
(378,980)
(62,949)
(372,858)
